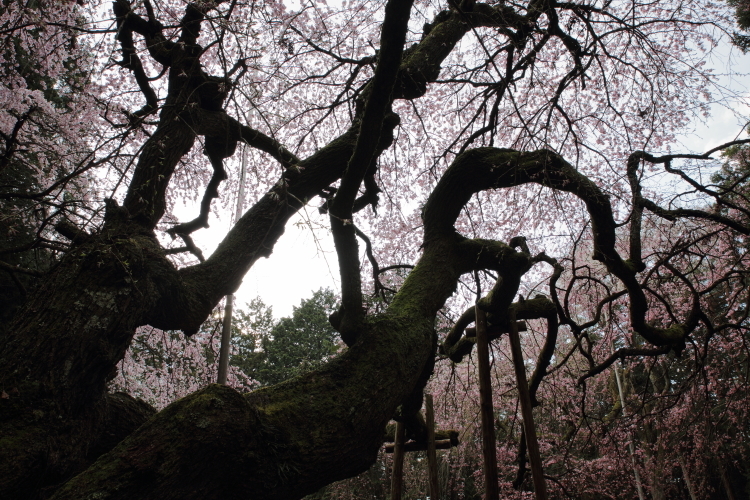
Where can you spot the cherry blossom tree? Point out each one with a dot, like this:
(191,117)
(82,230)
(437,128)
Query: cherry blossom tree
(161,367)
(478,150)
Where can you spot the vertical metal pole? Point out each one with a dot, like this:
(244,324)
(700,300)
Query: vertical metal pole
(226,340)
(226,327)
(535,459)
(432,465)
(492,491)
(397,480)
(241,187)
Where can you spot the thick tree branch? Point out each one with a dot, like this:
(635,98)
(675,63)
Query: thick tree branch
(349,436)
(256,232)
(173,139)
(158,46)
(130,58)
(422,61)
(491,168)
(621,354)
(72,232)
(219,125)
(366,151)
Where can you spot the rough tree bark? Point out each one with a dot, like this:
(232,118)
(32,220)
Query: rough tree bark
(63,347)
(288,440)
(285,441)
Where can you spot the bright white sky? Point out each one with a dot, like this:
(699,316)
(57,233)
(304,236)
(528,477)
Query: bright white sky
(303,259)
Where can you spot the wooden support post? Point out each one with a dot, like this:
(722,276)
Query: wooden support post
(431,453)
(397,480)
(535,459)
(489,452)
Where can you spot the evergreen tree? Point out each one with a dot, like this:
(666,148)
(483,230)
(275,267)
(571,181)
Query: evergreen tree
(742,14)
(295,345)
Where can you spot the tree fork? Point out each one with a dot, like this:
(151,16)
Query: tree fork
(348,401)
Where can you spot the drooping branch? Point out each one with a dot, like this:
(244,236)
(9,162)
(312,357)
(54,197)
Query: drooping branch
(379,288)
(190,246)
(666,160)
(222,135)
(553,312)
(370,196)
(491,168)
(548,350)
(216,150)
(450,343)
(622,354)
(684,213)
(636,214)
